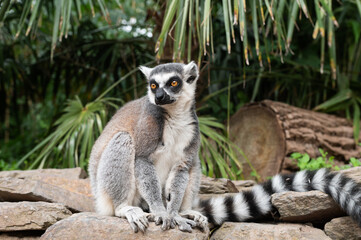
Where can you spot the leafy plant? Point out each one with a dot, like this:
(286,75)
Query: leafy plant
(69,145)
(218,154)
(304,162)
(281,16)
(6,166)
(355,162)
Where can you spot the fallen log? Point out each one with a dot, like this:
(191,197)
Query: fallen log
(269,132)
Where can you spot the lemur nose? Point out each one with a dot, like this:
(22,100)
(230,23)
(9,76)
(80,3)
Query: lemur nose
(159,95)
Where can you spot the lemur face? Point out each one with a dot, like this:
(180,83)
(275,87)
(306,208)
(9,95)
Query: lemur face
(171,83)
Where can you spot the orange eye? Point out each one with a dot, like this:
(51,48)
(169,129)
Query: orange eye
(153,86)
(174,83)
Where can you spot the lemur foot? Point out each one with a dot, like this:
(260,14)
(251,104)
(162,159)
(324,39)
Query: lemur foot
(161,218)
(136,218)
(200,220)
(184,224)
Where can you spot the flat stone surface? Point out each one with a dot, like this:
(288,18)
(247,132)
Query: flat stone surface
(264,231)
(313,206)
(343,228)
(93,226)
(73,193)
(30,215)
(68,173)
(222,185)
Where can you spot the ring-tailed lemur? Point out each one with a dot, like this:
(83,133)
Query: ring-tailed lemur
(146,159)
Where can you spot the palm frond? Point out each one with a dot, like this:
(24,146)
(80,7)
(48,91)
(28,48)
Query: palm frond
(217,153)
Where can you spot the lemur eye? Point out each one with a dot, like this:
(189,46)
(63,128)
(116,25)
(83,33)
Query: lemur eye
(153,86)
(174,83)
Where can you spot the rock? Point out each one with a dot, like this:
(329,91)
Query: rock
(313,206)
(30,215)
(93,226)
(67,173)
(354,173)
(343,228)
(267,231)
(208,196)
(73,193)
(243,185)
(221,185)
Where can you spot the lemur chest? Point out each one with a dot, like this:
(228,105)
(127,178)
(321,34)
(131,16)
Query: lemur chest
(177,135)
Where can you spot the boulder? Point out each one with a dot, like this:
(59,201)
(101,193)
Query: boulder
(313,206)
(354,173)
(67,173)
(93,226)
(343,228)
(22,216)
(266,231)
(73,193)
(222,185)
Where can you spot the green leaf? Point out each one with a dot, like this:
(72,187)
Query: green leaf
(339,98)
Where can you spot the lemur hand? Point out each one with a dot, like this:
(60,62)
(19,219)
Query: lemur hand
(184,224)
(161,217)
(200,220)
(137,219)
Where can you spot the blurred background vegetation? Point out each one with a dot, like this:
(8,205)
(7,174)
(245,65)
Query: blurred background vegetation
(67,65)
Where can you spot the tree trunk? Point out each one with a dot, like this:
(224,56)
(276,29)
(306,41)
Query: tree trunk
(269,132)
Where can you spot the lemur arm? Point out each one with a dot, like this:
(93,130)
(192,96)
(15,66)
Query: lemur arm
(175,187)
(148,184)
(150,189)
(179,178)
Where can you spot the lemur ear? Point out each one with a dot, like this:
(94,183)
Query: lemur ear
(146,71)
(191,72)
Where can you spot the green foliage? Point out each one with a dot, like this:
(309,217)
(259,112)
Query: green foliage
(69,145)
(89,55)
(34,91)
(218,154)
(355,162)
(266,30)
(304,162)
(6,166)
(281,16)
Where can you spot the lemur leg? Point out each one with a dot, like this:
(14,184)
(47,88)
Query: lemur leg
(190,200)
(150,189)
(175,190)
(116,187)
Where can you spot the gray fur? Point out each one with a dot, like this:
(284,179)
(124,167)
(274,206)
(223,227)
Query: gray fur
(147,159)
(148,184)
(167,68)
(115,159)
(147,156)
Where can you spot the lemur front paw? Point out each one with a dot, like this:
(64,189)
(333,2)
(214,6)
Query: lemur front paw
(200,220)
(137,219)
(184,224)
(161,218)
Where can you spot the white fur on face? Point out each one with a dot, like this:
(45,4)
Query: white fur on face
(161,79)
(183,99)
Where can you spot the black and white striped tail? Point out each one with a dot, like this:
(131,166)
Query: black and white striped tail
(256,203)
